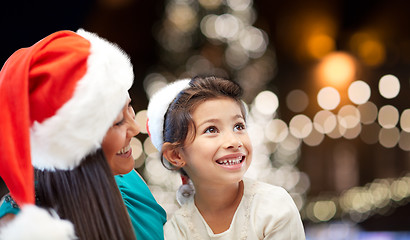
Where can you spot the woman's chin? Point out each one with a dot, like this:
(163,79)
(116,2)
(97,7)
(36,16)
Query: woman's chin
(121,165)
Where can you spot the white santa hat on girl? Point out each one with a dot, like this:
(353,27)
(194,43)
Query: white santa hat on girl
(157,108)
(58,99)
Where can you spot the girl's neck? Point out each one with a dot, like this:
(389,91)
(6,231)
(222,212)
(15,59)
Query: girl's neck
(218,204)
(216,198)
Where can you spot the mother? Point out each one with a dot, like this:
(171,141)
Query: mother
(65,110)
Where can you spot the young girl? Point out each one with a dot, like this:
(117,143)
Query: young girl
(199,127)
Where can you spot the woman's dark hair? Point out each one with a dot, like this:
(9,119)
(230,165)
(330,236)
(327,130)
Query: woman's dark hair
(178,119)
(87,196)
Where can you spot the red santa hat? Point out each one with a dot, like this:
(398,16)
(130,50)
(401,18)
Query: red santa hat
(58,99)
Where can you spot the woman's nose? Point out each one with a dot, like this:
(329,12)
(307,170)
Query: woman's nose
(133,128)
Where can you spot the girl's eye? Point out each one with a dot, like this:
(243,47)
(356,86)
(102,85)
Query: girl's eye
(239,126)
(211,129)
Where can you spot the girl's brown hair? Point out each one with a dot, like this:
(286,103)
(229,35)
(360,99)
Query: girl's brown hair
(178,120)
(87,196)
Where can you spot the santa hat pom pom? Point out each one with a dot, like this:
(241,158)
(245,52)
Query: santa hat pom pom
(185,192)
(35,223)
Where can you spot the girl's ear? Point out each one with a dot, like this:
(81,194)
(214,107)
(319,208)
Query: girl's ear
(172,155)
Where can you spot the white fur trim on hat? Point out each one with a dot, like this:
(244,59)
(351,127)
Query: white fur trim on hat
(34,223)
(79,126)
(158,106)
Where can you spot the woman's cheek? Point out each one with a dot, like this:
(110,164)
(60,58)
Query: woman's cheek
(111,144)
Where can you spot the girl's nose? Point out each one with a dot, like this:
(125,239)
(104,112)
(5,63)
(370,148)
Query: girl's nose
(233,141)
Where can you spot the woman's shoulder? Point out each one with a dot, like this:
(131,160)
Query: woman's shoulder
(132,184)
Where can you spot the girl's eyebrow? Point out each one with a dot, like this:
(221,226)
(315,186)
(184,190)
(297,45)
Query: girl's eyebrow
(215,120)
(212,120)
(238,116)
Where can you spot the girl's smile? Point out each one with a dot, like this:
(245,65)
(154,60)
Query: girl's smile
(232,161)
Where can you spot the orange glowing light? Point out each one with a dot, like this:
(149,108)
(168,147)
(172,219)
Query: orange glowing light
(369,48)
(337,69)
(319,45)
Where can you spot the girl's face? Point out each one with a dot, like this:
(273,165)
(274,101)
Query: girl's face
(221,151)
(116,143)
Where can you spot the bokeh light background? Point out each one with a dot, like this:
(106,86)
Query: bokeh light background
(326,85)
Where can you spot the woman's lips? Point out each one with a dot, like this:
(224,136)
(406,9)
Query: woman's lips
(125,152)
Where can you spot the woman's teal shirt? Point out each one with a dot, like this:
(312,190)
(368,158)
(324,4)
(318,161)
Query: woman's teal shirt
(147,216)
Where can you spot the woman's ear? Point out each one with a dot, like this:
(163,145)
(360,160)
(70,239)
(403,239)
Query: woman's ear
(173,155)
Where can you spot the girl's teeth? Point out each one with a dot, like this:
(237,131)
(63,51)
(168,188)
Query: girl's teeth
(231,162)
